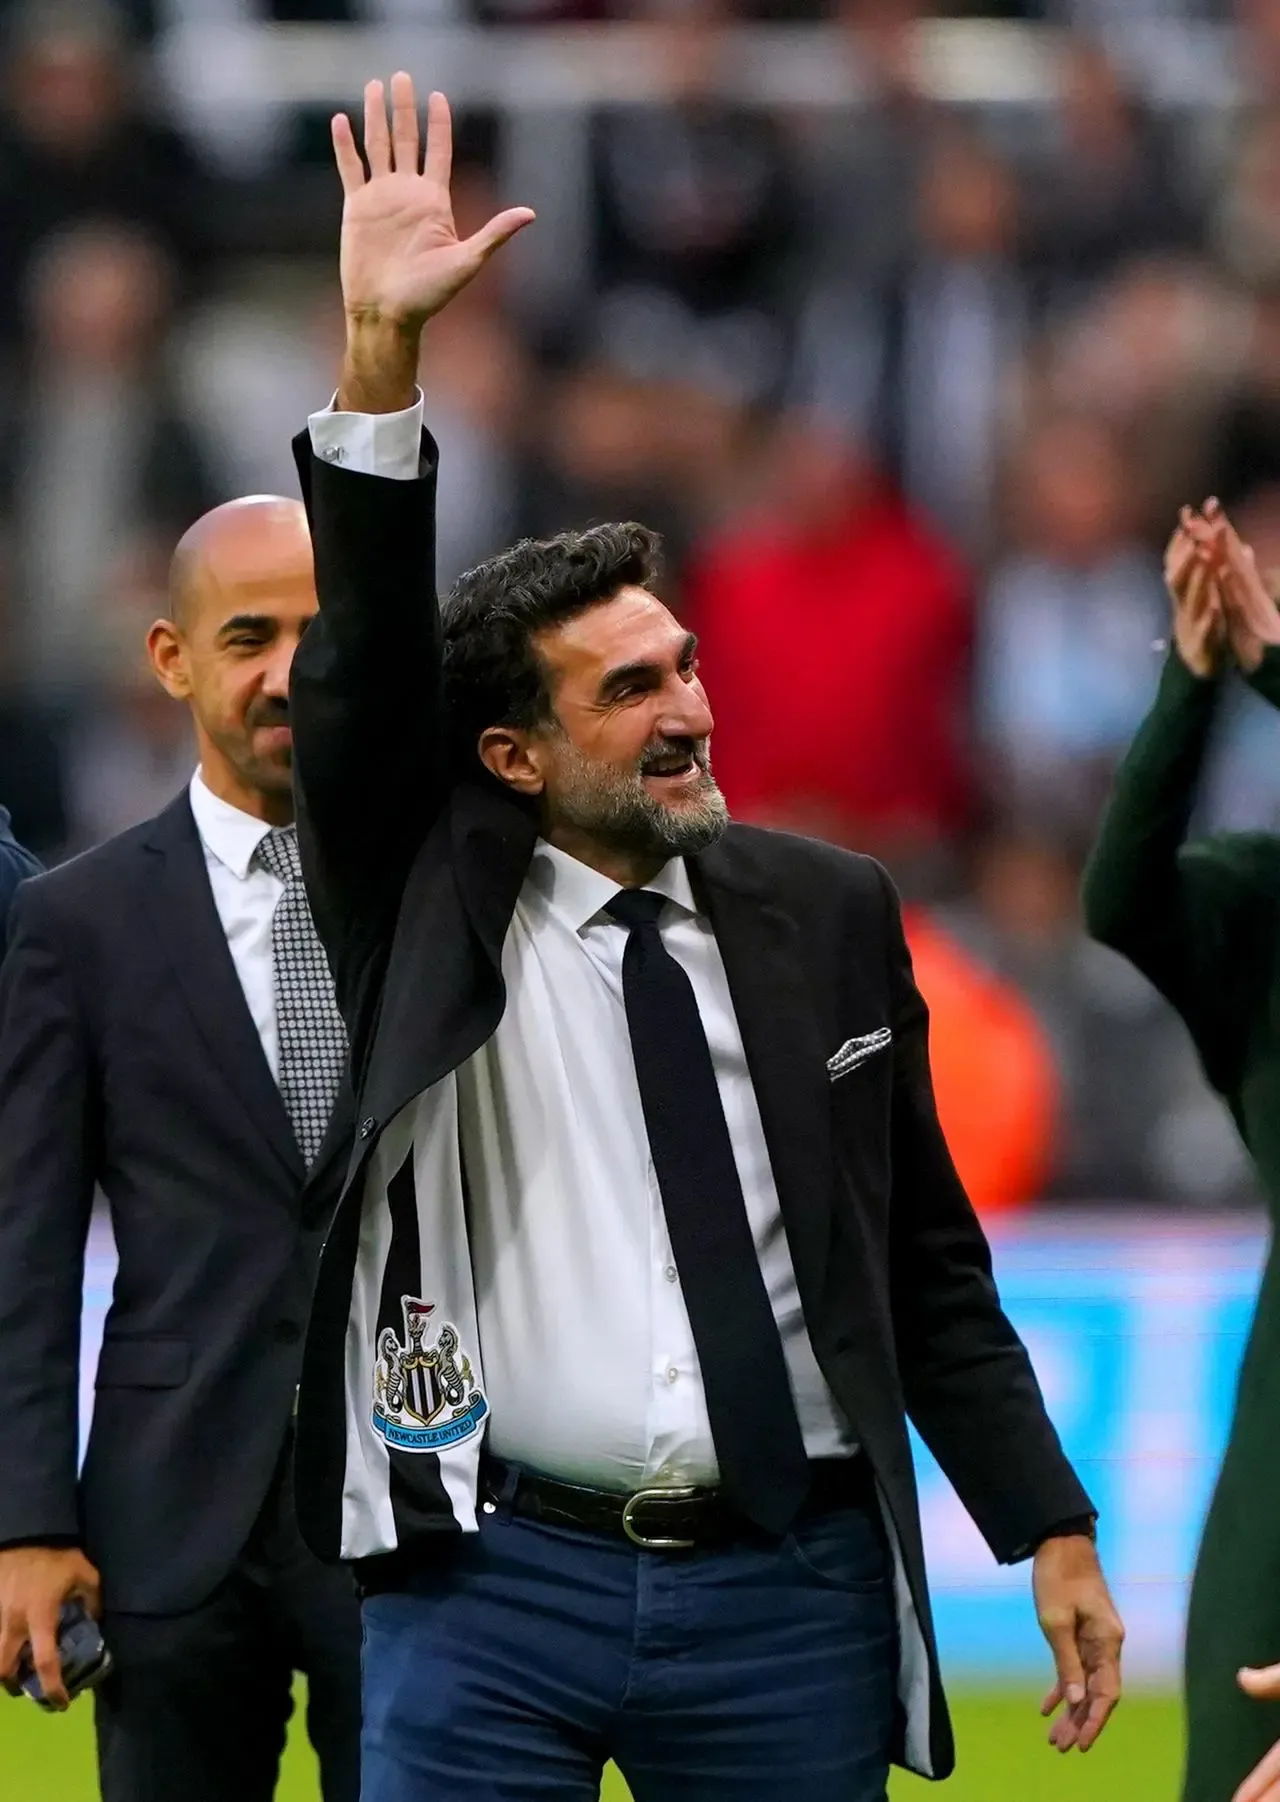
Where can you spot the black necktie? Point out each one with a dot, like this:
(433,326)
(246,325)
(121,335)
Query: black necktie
(759,1446)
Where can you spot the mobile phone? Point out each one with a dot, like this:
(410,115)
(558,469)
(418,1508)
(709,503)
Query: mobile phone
(82,1651)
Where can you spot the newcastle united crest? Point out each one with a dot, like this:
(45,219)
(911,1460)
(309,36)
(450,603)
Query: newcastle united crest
(425,1398)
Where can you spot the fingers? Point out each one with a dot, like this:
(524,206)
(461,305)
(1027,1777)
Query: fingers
(499,231)
(1198,595)
(1067,1728)
(377,139)
(1086,1640)
(438,168)
(13,1636)
(404,124)
(89,1591)
(1179,553)
(1059,1624)
(1263,1684)
(345,154)
(44,1655)
(1208,536)
(1242,586)
(1263,1782)
(1104,1698)
(1061,1635)
(1063,1732)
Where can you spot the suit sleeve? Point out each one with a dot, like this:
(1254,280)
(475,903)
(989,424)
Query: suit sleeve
(16,864)
(1180,912)
(48,1151)
(969,1386)
(369,740)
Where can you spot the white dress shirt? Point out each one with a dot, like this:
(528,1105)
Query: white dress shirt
(245,897)
(588,1355)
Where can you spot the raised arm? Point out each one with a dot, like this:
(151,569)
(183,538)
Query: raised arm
(1180,912)
(369,739)
(1176,910)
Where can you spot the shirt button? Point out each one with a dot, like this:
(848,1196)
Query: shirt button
(332,453)
(672,1373)
(671,1273)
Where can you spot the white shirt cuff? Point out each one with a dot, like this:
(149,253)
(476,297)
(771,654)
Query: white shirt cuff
(372,444)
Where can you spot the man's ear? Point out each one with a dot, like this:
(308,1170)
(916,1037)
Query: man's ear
(168,654)
(512,755)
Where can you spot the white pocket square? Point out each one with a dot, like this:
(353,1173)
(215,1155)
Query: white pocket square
(856,1051)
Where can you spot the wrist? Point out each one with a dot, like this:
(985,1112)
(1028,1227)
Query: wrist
(1251,649)
(1264,676)
(1203,661)
(380,364)
(1084,1527)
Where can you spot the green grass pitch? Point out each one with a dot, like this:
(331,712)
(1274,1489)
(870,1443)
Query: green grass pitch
(1003,1757)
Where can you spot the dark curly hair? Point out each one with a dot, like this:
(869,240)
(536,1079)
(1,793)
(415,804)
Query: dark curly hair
(492,674)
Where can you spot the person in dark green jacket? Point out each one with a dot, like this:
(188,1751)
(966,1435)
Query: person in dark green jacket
(1201,919)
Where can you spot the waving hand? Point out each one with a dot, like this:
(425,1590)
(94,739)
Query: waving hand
(402,258)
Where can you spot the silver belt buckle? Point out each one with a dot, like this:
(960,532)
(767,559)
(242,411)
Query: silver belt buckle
(646,1542)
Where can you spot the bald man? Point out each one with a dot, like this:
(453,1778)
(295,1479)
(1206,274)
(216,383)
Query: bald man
(168,1036)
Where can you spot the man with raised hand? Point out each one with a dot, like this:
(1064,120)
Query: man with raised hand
(651,1243)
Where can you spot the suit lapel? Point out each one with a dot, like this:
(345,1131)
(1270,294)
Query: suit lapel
(759,945)
(185,918)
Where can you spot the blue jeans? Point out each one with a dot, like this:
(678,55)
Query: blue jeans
(528,1656)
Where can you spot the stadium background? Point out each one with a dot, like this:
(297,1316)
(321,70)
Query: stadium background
(910,331)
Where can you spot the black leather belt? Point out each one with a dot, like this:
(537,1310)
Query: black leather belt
(662,1518)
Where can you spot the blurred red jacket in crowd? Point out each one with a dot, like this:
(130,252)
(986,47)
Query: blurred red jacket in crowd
(835,637)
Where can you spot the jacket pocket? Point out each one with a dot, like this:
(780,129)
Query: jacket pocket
(143,1363)
(855,1052)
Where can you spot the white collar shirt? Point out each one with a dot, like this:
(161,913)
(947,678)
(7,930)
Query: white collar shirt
(589,1357)
(245,896)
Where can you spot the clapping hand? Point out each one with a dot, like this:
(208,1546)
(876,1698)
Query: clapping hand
(1199,626)
(1220,599)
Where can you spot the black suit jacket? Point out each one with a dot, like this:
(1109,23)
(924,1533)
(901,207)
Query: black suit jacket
(414,873)
(16,864)
(129,1061)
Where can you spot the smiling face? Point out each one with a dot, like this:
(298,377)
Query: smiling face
(243,594)
(623,769)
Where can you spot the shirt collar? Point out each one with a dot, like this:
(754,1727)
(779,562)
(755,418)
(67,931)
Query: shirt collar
(227,832)
(578,893)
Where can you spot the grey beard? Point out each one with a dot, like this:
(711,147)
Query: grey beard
(621,814)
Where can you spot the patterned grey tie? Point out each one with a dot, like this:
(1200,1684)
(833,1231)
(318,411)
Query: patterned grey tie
(313,1041)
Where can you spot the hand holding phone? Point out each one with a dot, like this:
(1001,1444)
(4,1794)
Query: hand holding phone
(82,1654)
(35,1583)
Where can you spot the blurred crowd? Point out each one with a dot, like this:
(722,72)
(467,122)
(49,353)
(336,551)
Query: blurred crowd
(913,393)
